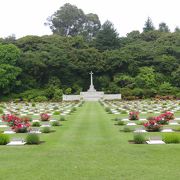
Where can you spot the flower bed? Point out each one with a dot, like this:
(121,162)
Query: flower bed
(20,125)
(155,123)
(134,115)
(45,117)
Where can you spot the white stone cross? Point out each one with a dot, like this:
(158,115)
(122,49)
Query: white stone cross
(91,73)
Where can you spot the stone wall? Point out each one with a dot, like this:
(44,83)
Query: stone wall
(111,96)
(89,96)
(71,97)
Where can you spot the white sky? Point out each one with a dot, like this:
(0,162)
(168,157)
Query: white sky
(27,17)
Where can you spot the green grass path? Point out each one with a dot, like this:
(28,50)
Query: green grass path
(89,147)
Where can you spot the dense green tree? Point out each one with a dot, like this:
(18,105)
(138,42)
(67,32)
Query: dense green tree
(148,26)
(124,80)
(107,38)
(177,29)
(9,54)
(176,77)
(71,21)
(163,27)
(8,78)
(146,78)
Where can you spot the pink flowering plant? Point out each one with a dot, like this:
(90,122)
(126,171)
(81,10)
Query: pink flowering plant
(17,124)
(165,118)
(44,117)
(155,123)
(134,115)
(152,125)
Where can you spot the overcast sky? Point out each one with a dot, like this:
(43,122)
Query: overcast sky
(27,17)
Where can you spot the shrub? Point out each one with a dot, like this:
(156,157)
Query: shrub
(117,119)
(177,128)
(4,139)
(44,117)
(40,99)
(134,115)
(152,126)
(127,129)
(17,124)
(171,138)
(56,113)
(33,105)
(107,109)
(32,138)
(73,109)
(140,122)
(123,112)
(1,111)
(55,123)
(139,138)
(22,130)
(46,130)
(62,118)
(36,124)
(120,123)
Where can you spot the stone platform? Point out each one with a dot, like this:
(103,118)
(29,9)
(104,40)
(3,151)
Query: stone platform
(91,94)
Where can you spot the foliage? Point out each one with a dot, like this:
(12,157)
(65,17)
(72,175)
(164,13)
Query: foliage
(107,37)
(171,138)
(4,139)
(140,65)
(46,130)
(32,138)
(36,124)
(134,115)
(17,124)
(71,21)
(55,123)
(148,25)
(127,129)
(139,138)
(120,122)
(44,117)
(62,118)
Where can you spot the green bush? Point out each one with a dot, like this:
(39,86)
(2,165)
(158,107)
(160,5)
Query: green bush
(46,130)
(22,130)
(32,138)
(139,138)
(55,123)
(1,111)
(40,99)
(73,109)
(176,128)
(120,123)
(36,124)
(123,112)
(117,119)
(171,138)
(62,118)
(4,139)
(107,109)
(56,113)
(140,122)
(127,129)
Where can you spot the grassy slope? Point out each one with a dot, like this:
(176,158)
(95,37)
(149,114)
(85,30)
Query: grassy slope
(89,146)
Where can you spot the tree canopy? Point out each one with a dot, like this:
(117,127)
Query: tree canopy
(140,64)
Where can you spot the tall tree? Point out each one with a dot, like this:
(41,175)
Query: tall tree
(148,26)
(107,38)
(71,21)
(163,27)
(177,29)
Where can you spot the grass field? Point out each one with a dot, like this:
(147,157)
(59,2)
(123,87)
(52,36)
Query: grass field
(89,146)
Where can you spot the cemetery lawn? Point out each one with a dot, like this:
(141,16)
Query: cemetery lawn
(89,146)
